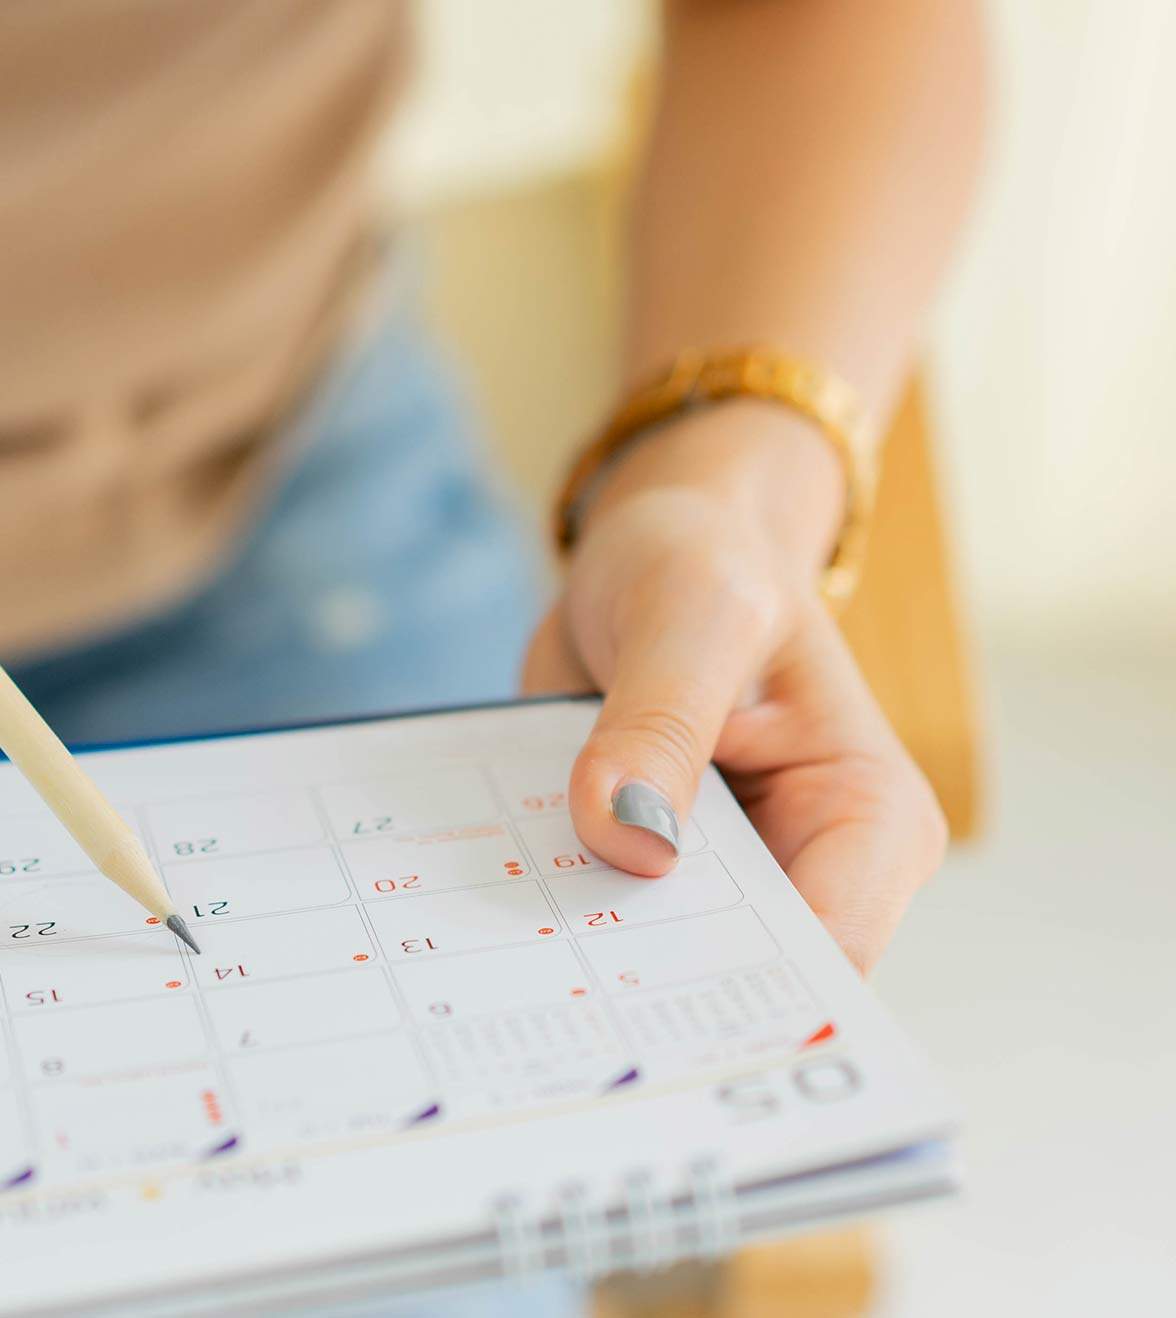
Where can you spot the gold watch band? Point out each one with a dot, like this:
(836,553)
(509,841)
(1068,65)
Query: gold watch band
(698,378)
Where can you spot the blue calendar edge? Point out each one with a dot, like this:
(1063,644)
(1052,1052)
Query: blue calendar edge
(347,720)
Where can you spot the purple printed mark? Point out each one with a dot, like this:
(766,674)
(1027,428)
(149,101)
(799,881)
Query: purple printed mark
(628,1078)
(225,1146)
(21,1178)
(429,1113)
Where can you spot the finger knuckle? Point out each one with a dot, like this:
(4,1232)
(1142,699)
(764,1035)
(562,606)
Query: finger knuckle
(659,736)
(899,789)
(746,599)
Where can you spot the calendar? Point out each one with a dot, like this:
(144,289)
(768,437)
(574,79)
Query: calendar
(429,1030)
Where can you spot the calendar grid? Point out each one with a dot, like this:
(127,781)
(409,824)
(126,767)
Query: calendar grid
(487,889)
(416,981)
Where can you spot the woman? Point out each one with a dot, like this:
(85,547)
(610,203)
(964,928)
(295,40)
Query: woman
(235,487)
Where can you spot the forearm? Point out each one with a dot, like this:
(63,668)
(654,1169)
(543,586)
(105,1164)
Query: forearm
(810,164)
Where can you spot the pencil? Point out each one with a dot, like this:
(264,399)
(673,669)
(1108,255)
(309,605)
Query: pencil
(36,750)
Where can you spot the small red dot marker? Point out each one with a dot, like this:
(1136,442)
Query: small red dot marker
(579,992)
(175,983)
(360,956)
(153,919)
(545,930)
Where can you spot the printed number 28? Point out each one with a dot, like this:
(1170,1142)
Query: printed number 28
(200,846)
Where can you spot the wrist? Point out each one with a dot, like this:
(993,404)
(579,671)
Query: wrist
(757,462)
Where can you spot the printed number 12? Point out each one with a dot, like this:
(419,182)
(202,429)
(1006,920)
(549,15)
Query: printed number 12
(604,917)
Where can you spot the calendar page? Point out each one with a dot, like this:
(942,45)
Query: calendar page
(418,992)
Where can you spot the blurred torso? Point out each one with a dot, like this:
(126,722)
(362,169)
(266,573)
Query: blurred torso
(183,221)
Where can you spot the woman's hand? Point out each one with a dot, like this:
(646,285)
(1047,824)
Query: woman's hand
(691,601)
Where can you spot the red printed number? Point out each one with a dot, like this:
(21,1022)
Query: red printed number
(546,801)
(406,881)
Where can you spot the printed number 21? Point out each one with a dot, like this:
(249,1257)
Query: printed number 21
(213,908)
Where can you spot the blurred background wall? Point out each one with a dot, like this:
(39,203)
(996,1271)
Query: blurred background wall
(1054,344)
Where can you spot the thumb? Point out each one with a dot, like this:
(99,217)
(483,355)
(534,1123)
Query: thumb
(677,674)
(551,665)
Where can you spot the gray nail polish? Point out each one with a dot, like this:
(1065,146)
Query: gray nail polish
(644,807)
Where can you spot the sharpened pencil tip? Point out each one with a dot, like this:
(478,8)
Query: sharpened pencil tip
(176,924)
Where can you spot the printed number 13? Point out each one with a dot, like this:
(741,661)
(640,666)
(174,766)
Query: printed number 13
(415,945)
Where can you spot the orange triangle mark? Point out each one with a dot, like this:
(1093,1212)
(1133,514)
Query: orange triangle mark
(825,1033)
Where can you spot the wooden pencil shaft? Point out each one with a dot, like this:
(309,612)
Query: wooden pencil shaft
(36,750)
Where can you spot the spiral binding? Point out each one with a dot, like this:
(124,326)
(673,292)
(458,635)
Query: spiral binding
(520,1244)
(650,1238)
(585,1244)
(716,1209)
(651,1231)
